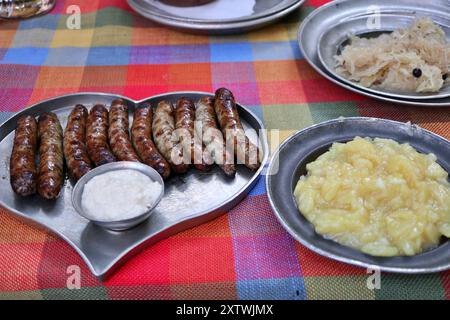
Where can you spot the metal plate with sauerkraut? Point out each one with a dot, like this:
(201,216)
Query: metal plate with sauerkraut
(403,56)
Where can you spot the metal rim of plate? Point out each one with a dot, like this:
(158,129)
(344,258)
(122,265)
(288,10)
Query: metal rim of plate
(341,10)
(331,40)
(102,250)
(289,162)
(153,10)
(216,28)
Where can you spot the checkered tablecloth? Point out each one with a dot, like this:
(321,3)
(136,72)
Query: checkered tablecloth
(245,254)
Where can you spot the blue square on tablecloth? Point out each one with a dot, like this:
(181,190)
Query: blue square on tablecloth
(272,289)
(30,56)
(48,21)
(296,49)
(149,55)
(189,53)
(260,187)
(67,57)
(169,54)
(263,256)
(274,51)
(231,52)
(108,56)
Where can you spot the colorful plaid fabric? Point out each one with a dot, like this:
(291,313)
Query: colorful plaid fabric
(245,254)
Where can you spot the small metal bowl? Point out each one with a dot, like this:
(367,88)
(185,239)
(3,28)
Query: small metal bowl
(116,225)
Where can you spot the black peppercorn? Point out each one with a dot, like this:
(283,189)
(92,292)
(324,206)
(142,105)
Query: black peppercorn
(417,72)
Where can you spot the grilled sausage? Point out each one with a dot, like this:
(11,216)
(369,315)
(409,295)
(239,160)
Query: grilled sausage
(51,163)
(23,174)
(118,132)
(206,127)
(192,146)
(75,151)
(163,128)
(97,136)
(141,136)
(225,107)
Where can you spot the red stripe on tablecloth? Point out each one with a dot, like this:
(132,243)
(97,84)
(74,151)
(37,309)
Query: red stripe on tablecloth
(19,266)
(151,266)
(446,283)
(316,3)
(89,6)
(179,260)
(314,265)
(201,259)
(304,91)
(56,257)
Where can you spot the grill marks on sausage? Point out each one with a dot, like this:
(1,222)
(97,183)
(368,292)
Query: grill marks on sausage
(118,132)
(163,128)
(51,163)
(23,173)
(75,151)
(192,146)
(230,123)
(141,136)
(97,136)
(85,142)
(207,128)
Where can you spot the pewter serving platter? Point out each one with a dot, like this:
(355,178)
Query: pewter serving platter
(189,199)
(217,11)
(337,12)
(332,41)
(218,26)
(289,162)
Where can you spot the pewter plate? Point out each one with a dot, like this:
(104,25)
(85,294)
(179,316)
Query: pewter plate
(189,200)
(211,27)
(332,41)
(288,163)
(217,11)
(339,11)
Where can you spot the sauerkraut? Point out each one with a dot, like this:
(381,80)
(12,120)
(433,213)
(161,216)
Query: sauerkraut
(414,59)
(377,196)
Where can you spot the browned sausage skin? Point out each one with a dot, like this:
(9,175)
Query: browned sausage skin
(230,123)
(184,124)
(23,173)
(75,152)
(118,132)
(97,136)
(51,163)
(141,136)
(163,128)
(206,127)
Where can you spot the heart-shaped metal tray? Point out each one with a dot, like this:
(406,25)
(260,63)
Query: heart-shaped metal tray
(189,200)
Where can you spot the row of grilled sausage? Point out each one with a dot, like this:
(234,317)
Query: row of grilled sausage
(98,137)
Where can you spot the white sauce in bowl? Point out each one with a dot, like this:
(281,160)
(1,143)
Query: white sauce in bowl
(119,195)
